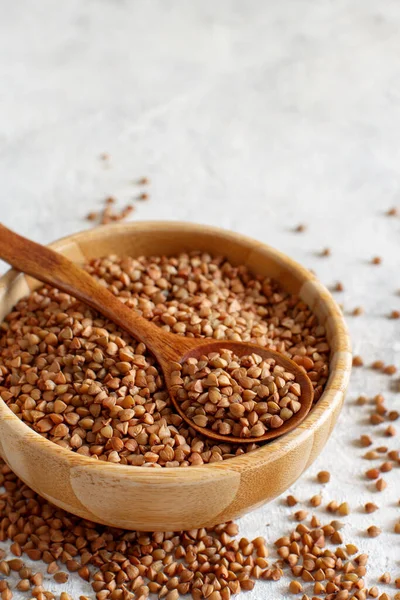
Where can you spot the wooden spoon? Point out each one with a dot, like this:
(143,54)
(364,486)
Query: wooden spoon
(48,266)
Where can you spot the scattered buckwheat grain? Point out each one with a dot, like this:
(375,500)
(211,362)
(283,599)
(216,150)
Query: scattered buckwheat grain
(291,501)
(381,485)
(378,365)
(370,507)
(392,212)
(365,440)
(316,500)
(374,531)
(324,477)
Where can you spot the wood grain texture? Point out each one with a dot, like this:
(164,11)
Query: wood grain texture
(137,498)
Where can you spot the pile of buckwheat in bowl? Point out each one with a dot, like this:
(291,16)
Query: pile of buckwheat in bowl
(78,380)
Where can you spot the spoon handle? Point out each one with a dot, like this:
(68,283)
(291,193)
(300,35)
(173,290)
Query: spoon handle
(50,267)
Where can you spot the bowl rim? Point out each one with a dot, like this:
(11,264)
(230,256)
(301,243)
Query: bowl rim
(337,380)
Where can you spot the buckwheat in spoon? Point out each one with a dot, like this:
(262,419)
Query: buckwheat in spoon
(226,390)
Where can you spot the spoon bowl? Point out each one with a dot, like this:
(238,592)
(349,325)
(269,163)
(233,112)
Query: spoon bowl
(203,346)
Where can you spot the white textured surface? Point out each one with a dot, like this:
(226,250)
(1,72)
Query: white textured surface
(251,115)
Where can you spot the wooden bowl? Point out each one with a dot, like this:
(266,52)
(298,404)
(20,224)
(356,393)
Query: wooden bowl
(170,499)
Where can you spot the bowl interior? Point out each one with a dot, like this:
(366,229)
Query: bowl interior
(169,238)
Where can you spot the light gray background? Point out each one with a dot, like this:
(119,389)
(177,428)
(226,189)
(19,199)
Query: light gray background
(251,115)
